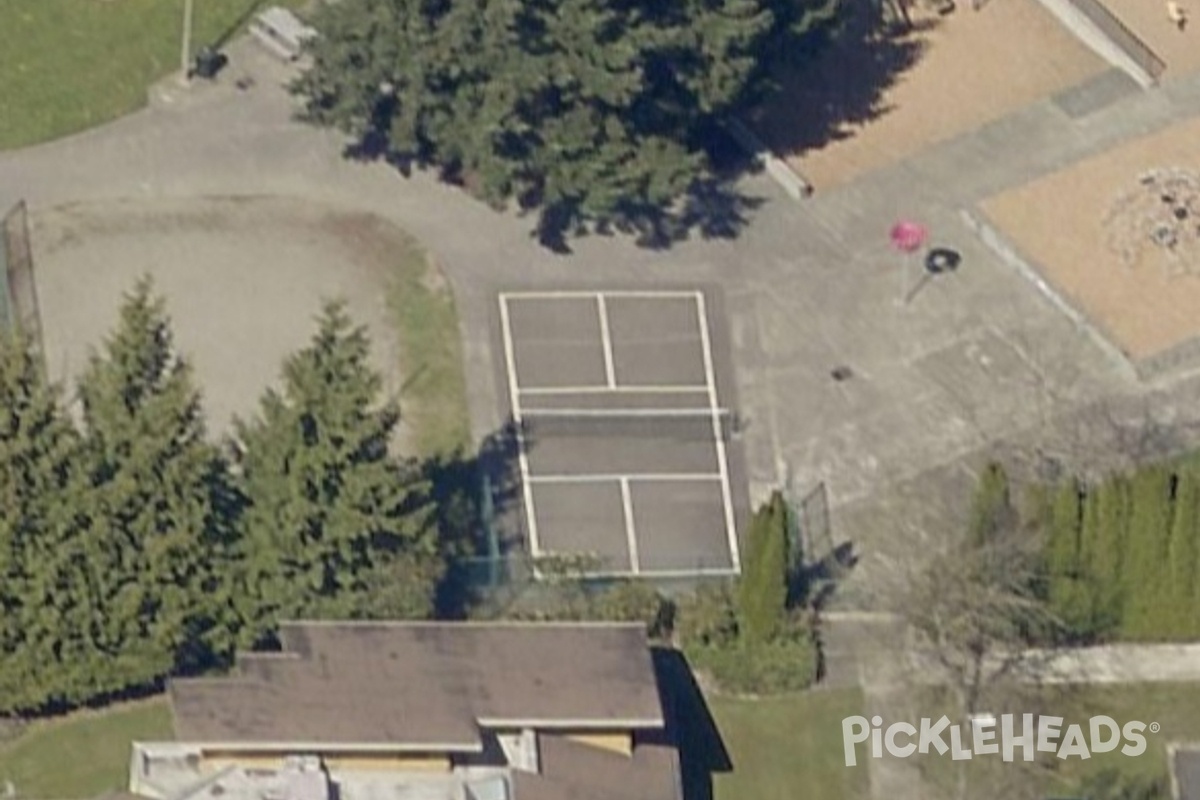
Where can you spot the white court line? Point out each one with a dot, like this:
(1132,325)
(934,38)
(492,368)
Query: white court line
(662,573)
(600,477)
(722,456)
(610,370)
(573,294)
(552,390)
(601,413)
(630,532)
(522,455)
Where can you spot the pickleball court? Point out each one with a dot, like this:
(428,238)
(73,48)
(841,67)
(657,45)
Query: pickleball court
(624,443)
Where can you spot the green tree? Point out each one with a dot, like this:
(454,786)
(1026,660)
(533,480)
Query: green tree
(160,532)
(334,520)
(1182,556)
(40,497)
(1145,570)
(991,509)
(1062,541)
(592,111)
(1106,560)
(763,592)
(1072,597)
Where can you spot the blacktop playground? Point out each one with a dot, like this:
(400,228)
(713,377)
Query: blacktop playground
(624,440)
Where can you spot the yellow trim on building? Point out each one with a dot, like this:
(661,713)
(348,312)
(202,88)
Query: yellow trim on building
(612,741)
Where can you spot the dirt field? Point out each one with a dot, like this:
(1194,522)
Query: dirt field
(243,279)
(1179,50)
(950,75)
(1058,222)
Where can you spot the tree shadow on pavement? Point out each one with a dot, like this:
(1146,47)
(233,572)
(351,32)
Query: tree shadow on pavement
(817,101)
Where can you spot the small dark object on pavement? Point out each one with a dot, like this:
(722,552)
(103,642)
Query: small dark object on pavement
(243,83)
(841,373)
(208,63)
(942,259)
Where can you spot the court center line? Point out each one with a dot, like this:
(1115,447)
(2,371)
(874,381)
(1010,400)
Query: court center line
(610,370)
(580,294)
(522,453)
(630,531)
(601,477)
(722,455)
(553,390)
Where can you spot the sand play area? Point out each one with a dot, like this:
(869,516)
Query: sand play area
(1058,223)
(1148,21)
(868,102)
(243,279)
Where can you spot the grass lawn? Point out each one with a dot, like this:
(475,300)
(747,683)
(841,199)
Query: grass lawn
(1174,706)
(433,399)
(82,754)
(784,748)
(72,64)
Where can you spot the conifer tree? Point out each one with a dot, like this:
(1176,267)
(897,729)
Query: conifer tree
(991,509)
(1069,595)
(591,111)
(763,591)
(1063,539)
(1145,567)
(160,530)
(1180,595)
(39,500)
(1106,559)
(336,527)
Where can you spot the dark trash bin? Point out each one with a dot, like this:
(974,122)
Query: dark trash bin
(208,63)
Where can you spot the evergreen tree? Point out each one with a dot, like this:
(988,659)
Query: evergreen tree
(1062,551)
(1069,594)
(160,533)
(593,111)
(763,591)
(1182,559)
(333,519)
(39,499)
(1145,568)
(1106,559)
(991,509)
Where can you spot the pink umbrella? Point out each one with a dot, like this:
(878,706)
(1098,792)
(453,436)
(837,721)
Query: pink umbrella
(908,236)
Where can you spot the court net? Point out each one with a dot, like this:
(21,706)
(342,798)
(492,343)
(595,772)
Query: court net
(648,424)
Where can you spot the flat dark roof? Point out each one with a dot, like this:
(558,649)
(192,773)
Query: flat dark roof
(424,685)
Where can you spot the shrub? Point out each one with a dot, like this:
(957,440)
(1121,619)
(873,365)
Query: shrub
(634,601)
(706,617)
(621,601)
(761,668)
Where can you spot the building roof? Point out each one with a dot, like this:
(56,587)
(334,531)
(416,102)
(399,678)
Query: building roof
(573,771)
(424,685)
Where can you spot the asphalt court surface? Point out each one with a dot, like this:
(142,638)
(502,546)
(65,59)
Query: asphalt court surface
(626,449)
